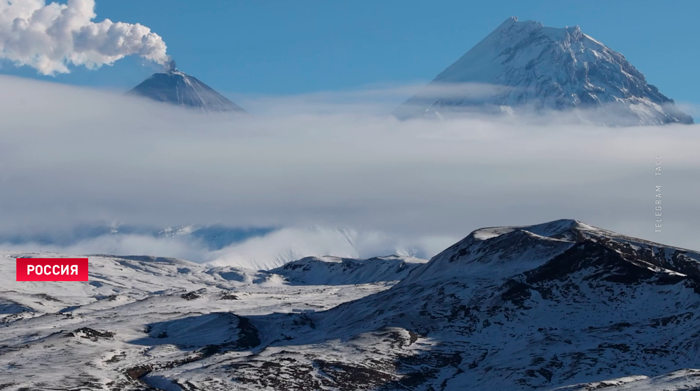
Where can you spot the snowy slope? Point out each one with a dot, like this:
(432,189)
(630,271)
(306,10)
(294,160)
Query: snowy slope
(178,88)
(137,312)
(561,305)
(535,307)
(525,65)
(687,380)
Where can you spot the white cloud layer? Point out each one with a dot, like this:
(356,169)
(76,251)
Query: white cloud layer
(259,253)
(50,37)
(71,156)
(289,244)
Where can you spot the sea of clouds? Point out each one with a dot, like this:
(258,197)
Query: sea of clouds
(327,173)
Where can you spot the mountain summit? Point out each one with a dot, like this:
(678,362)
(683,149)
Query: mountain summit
(525,65)
(175,87)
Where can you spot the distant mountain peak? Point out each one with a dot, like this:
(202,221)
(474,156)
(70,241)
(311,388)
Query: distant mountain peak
(533,68)
(176,87)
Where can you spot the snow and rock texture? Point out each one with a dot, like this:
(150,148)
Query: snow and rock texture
(346,271)
(687,380)
(178,88)
(561,305)
(525,66)
(141,314)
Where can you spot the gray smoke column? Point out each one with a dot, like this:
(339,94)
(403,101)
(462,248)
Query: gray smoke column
(50,37)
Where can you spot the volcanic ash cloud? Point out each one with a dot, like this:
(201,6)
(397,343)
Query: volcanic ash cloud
(50,37)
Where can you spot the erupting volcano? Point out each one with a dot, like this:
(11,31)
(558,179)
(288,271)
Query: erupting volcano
(175,87)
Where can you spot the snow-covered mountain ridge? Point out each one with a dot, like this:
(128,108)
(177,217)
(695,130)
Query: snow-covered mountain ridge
(560,304)
(344,271)
(532,68)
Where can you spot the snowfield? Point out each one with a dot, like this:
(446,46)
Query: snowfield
(555,306)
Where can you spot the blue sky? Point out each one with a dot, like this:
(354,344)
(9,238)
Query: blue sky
(291,47)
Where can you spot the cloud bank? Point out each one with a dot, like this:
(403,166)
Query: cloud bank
(50,37)
(71,156)
(258,252)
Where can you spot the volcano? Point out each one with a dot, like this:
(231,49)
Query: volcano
(178,88)
(525,67)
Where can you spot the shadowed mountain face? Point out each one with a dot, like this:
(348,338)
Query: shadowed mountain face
(519,308)
(555,306)
(178,88)
(527,67)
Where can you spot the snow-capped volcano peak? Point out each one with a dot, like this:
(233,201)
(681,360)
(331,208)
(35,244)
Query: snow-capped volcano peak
(525,65)
(176,87)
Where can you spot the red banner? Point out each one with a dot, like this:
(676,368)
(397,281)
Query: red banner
(52,269)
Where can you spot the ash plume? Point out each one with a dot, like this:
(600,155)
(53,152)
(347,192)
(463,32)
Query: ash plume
(170,66)
(50,37)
